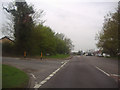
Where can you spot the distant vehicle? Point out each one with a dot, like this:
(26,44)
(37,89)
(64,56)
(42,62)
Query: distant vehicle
(47,54)
(118,53)
(88,54)
(106,55)
(99,55)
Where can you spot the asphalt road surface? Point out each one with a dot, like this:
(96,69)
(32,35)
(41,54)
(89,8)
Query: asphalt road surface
(36,69)
(78,72)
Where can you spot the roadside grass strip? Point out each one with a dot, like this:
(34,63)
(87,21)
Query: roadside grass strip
(51,75)
(57,56)
(13,77)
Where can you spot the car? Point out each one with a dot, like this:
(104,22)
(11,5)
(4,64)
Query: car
(106,55)
(88,54)
(99,55)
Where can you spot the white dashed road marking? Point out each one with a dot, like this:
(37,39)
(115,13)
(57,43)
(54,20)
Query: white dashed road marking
(48,78)
(43,82)
(51,75)
(33,76)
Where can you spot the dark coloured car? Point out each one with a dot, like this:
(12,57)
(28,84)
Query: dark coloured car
(89,54)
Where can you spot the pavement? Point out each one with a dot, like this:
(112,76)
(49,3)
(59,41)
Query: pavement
(77,72)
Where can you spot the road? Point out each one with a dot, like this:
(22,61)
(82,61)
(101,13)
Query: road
(36,69)
(78,72)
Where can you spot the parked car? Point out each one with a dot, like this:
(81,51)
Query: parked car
(88,54)
(106,55)
(99,55)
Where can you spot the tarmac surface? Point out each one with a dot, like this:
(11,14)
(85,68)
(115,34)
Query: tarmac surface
(77,72)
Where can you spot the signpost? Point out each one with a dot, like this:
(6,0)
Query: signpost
(24,54)
(41,55)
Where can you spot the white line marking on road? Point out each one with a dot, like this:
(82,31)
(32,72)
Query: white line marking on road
(51,75)
(103,71)
(47,78)
(54,72)
(114,75)
(58,69)
(37,86)
(33,76)
(43,82)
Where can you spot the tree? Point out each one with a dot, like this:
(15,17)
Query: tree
(119,28)
(31,35)
(23,25)
(44,40)
(64,45)
(108,37)
(8,26)
(69,45)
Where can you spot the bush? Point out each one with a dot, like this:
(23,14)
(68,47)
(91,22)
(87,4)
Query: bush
(7,48)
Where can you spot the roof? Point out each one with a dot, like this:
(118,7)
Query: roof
(4,39)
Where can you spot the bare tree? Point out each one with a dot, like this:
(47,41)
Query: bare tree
(8,25)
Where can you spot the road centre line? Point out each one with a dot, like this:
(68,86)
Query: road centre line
(37,86)
(103,71)
(48,78)
(51,75)
(43,82)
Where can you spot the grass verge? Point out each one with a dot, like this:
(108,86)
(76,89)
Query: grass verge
(13,77)
(57,56)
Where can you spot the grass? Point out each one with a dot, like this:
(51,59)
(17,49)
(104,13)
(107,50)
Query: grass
(13,77)
(57,56)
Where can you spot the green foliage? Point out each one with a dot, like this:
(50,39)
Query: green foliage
(13,77)
(64,45)
(23,25)
(43,40)
(35,38)
(7,48)
(119,30)
(46,41)
(108,37)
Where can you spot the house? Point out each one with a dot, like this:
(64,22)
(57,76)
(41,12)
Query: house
(6,39)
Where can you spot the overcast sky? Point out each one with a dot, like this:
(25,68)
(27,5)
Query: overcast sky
(79,20)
